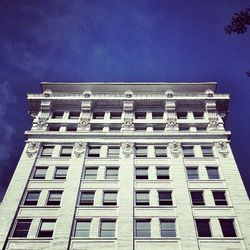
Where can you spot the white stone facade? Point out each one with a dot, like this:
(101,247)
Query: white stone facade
(126,166)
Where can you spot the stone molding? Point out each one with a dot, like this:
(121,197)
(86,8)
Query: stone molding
(175,148)
(127,148)
(79,148)
(222,148)
(32,148)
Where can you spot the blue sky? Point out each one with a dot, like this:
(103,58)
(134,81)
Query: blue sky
(119,40)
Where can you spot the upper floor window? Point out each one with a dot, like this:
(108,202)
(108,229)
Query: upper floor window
(197,198)
(182,115)
(87,198)
(141,173)
(207,151)
(162,173)
(71,128)
(168,228)
(32,198)
(198,115)
(53,128)
(159,127)
(47,228)
(54,198)
(114,128)
(227,227)
(47,151)
(22,228)
(107,228)
(61,173)
(40,172)
(213,173)
(66,151)
(112,173)
(110,198)
(90,173)
(143,228)
(113,151)
(157,115)
(142,198)
(98,115)
(57,115)
(115,115)
(165,198)
(188,151)
(141,151)
(82,228)
(74,115)
(184,127)
(94,151)
(140,115)
(203,227)
(140,127)
(160,151)
(192,173)
(219,197)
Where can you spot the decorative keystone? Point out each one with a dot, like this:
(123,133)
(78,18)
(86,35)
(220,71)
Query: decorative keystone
(213,122)
(32,148)
(127,123)
(171,123)
(41,122)
(79,148)
(128,94)
(47,93)
(87,93)
(127,148)
(209,93)
(84,122)
(175,148)
(169,93)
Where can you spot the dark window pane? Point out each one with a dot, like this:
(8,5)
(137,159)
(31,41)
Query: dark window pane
(110,198)
(207,151)
(227,227)
(114,152)
(54,198)
(82,228)
(157,115)
(141,173)
(57,115)
(182,115)
(192,173)
(47,228)
(47,151)
(198,115)
(188,151)
(90,173)
(197,198)
(32,198)
(22,228)
(219,198)
(40,173)
(74,115)
(165,198)
(162,173)
(141,151)
(143,228)
(98,115)
(213,173)
(61,173)
(115,115)
(203,227)
(142,198)
(168,228)
(87,198)
(160,151)
(94,151)
(140,115)
(66,151)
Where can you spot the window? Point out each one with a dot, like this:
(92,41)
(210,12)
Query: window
(114,152)
(182,115)
(203,227)
(165,198)
(112,173)
(143,228)
(47,151)
(57,115)
(219,197)
(90,173)
(107,228)
(54,198)
(98,115)
(82,228)
(162,173)
(87,198)
(115,115)
(168,228)
(141,151)
(198,115)
(160,151)
(94,151)
(114,128)
(72,128)
(40,172)
(31,198)
(46,228)
(188,151)
(66,151)
(142,198)
(207,151)
(227,227)
(192,173)
(157,115)
(140,127)
(74,115)
(213,173)
(22,228)
(141,173)
(159,127)
(96,128)
(61,173)
(140,115)
(201,128)
(184,128)
(54,128)
(110,198)
(197,198)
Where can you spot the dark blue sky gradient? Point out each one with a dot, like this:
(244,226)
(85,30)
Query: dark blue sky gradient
(104,40)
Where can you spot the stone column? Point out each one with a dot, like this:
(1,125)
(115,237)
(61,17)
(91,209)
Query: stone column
(126,196)
(185,220)
(62,232)
(236,190)
(16,189)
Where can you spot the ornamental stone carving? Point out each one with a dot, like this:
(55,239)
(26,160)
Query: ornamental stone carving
(222,148)
(128,94)
(41,122)
(47,93)
(79,148)
(171,123)
(127,148)
(169,93)
(87,93)
(175,148)
(213,122)
(209,93)
(127,123)
(84,122)
(32,148)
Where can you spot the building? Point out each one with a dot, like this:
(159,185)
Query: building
(126,166)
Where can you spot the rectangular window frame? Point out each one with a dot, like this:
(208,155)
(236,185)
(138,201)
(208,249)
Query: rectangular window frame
(114,176)
(87,202)
(66,151)
(46,233)
(140,232)
(162,176)
(165,201)
(40,176)
(171,231)
(59,176)
(141,173)
(111,230)
(22,232)
(31,202)
(85,230)
(107,201)
(192,176)
(54,201)
(142,202)
(88,176)
(201,231)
